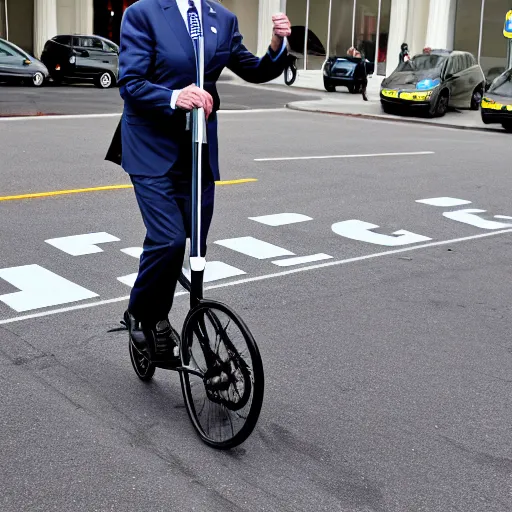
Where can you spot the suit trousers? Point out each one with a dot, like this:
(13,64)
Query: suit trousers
(165,205)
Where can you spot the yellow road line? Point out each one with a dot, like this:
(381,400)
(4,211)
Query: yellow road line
(99,189)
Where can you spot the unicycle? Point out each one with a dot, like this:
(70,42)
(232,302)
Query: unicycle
(221,371)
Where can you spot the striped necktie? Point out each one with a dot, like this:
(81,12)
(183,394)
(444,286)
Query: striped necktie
(194,23)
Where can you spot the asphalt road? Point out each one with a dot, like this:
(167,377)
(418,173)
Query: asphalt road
(388,368)
(87,99)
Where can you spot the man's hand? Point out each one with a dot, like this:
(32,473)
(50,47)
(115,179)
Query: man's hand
(282,29)
(193,97)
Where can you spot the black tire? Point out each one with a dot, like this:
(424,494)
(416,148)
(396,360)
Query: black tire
(38,79)
(232,380)
(476,98)
(507,126)
(329,87)
(290,75)
(143,368)
(105,81)
(440,107)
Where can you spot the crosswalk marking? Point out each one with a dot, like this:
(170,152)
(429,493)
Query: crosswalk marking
(40,288)
(79,245)
(289,262)
(254,247)
(217,270)
(135,252)
(281,219)
(443,201)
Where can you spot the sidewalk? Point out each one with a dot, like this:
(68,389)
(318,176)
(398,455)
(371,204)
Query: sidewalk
(346,104)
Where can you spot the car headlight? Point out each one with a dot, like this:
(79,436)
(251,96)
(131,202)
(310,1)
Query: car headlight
(72,59)
(425,85)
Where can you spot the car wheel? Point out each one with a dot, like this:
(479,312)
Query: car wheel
(105,81)
(38,79)
(329,87)
(507,127)
(476,99)
(440,108)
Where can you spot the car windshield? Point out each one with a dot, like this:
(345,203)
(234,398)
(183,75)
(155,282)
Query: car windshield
(425,64)
(503,84)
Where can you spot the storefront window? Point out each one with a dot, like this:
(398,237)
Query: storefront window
(297,12)
(493,57)
(493,51)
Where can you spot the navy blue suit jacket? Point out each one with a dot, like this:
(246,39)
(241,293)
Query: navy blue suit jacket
(157,57)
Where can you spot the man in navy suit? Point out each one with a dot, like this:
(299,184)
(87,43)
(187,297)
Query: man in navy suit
(157,71)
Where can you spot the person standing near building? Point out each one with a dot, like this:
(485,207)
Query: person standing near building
(157,76)
(360,72)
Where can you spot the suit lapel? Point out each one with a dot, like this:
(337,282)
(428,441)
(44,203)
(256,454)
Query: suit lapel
(173,16)
(210,29)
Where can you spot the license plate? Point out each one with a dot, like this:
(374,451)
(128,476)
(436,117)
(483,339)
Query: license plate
(389,93)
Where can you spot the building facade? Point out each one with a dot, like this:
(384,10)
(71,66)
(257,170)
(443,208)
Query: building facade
(377,27)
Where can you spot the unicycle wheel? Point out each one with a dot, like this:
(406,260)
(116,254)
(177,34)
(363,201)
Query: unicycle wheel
(141,364)
(224,392)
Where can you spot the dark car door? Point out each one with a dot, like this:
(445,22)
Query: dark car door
(91,59)
(12,63)
(457,80)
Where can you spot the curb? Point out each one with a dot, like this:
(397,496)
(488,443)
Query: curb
(382,117)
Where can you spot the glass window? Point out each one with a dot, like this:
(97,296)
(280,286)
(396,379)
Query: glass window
(467,26)
(62,39)
(91,42)
(503,85)
(7,50)
(424,63)
(296,11)
(494,45)
(341,27)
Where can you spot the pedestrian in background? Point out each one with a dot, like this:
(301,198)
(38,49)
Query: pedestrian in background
(360,73)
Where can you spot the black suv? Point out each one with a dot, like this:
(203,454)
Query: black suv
(82,59)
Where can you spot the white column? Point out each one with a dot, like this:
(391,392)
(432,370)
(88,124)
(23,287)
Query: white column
(417,25)
(84,16)
(397,32)
(45,23)
(267,8)
(440,24)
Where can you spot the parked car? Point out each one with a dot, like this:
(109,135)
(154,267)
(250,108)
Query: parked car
(497,102)
(82,59)
(343,71)
(17,65)
(433,81)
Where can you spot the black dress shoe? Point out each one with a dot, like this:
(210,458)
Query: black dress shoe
(161,342)
(137,335)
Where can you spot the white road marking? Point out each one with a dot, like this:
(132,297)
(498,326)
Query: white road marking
(79,245)
(100,116)
(281,219)
(217,270)
(302,259)
(503,217)
(327,157)
(128,280)
(40,288)
(469,217)
(360,230)
(443,201)
(268,276)
(214,271)
(134,252)
(254,247)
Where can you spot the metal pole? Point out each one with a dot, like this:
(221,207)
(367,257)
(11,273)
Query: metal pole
(329,17)
(354,22)
(306,36)
(481,30)
(6,22)
(377,40)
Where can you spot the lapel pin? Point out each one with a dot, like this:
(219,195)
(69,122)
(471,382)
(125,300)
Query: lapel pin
(214,30)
